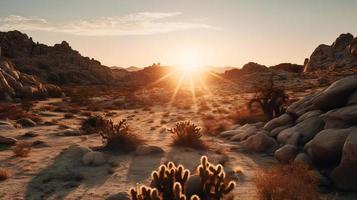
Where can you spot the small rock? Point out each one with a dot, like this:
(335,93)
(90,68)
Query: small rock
(148,150)
(30,134)
(7,140)
(93,158)
(119,196)
(26,122)
(303,158)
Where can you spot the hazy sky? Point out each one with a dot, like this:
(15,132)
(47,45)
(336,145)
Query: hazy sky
(222,32)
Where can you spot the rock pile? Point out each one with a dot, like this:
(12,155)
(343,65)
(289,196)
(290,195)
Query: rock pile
(14,84)
(319,130)
(343,52)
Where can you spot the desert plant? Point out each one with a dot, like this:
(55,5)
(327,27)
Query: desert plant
(4,174)
(186,133)
(169,182)
(89,125)
(117,136)
(291,181)
(22,149)
(271,99)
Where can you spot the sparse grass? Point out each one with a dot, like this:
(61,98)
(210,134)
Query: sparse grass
(186,133)
(22,149)
(117,137)
(282,182)
(4,174)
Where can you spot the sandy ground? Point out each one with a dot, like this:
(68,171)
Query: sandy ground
(28,180)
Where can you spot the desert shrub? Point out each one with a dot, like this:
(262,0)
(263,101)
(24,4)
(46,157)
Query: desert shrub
(169,182)
(272,100)
(22,149)
(15,112)
(89,125)
(186,133)
(4,174)
(282,182)
(243,115)
(117,137)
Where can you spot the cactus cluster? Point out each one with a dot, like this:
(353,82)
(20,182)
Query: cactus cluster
(213,183)
(169,183)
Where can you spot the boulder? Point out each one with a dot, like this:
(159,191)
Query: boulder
(261,143)
(346,115)
(352,100)
(337,94)
(26,122)
(7,140)
(93,158)
(148,150)
(277,130)
(229,133)
(326,147)
(344,175)
(245,132)
(75,152)
(302,106)
(309,114)
(193,185)
(279,121)
(286,154)
(302,132)
(303,158)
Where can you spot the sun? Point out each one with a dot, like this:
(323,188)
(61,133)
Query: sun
(190,62)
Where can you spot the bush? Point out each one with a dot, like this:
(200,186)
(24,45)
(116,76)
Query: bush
(286,182)
(117,137)
(170,182)
(22,149)
(4,174)
(187,134)
(272,100)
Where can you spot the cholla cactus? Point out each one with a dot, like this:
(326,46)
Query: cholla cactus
(186,133)
(213,185)
(169,182)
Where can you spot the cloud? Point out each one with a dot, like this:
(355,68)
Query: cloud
(143,23)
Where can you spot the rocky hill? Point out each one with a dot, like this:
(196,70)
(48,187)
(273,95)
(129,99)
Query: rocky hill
(14,84)
(342,53)
(59,64)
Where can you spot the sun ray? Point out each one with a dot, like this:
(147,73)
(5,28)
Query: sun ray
(162,78)
(204,86)
(193,92)
(177,88)
(222,78)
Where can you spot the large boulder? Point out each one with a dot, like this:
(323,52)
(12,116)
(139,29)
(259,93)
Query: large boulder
(344,175)
(286,154)
(279,121)
(309,114)
(326,147)
(261,143)
(302,132)
(346,116)
(302,106)
(352,100)
(337,94)
(245,132)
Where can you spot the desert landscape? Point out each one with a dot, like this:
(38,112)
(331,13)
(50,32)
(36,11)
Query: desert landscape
(74,128)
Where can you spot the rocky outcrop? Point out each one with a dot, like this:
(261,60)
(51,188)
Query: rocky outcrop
(14,84)
(319,130)
(342,53)
(59,64)
(288,67)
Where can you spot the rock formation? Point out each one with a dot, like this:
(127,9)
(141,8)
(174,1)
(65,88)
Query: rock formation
(342,53)
(14,84)
(59,64)
(319,130)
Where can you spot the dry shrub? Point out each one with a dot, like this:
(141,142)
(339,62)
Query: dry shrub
(22,149)
(117,137)
(186,133)
(4,174)
(214,126)
(243,115)
(287,182)
(15,112)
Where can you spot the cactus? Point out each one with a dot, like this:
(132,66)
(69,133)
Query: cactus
(169,181)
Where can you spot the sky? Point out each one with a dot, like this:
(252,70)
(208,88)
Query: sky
(217,32)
